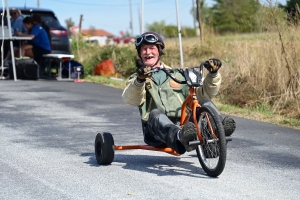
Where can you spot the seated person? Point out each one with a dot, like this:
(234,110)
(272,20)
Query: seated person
(40,42)
(38,20)
(16,26)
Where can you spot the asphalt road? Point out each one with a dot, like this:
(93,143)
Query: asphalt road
(48,129)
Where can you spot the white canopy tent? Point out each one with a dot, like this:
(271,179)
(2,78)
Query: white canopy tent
(9,37)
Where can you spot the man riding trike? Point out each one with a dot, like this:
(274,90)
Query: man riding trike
(157,90)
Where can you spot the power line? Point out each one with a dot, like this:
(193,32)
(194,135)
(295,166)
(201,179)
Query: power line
(101,4)
(179,10)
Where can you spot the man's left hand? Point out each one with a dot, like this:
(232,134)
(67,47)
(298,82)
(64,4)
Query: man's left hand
(141,73)
(213,65)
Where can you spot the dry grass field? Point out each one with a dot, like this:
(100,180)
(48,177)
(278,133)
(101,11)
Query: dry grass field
(261,71)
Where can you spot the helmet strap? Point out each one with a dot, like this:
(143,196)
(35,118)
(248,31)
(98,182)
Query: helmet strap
(156,62)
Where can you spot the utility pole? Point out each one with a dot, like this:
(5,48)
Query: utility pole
(142,18)
(179,35)
(80,23)
(199,19)
(131,27)
(38,3)
(194,16)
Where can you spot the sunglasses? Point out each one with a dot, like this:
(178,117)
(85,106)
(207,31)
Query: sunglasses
(13,13)
(147,37)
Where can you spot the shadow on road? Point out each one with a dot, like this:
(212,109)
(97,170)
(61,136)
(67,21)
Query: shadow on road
(159,165)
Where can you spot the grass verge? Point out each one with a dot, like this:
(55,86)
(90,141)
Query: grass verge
(110,81)
(258,114)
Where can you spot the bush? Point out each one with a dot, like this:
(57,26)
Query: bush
(172,31)
(90,56)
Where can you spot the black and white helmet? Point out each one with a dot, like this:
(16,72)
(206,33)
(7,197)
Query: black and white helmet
(150,38)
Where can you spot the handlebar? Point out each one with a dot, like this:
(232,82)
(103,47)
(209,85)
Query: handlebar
(185,72)
(168,73)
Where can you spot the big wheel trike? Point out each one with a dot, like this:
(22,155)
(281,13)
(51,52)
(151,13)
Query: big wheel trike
(211,143)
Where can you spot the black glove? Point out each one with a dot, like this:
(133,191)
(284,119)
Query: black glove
(213,65)
(139,63)
(140,72)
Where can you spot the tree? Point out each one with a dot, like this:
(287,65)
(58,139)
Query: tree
(293,10)
(203,14)
(235,15)
(69,23)
(158,27)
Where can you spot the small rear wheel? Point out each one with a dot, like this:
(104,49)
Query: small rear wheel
(104,148)
(212,153)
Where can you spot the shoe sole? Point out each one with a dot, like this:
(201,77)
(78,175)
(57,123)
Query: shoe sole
(229,126)
(188,134)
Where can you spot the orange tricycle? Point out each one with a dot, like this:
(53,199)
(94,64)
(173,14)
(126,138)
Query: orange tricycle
(211,143)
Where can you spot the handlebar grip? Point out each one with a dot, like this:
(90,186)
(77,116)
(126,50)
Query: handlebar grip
(151,71)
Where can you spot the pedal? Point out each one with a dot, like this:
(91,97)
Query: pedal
(195,143)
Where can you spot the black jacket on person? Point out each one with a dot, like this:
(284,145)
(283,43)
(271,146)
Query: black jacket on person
(47,29)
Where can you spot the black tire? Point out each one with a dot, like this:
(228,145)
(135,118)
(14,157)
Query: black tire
(104,148)
(212,153)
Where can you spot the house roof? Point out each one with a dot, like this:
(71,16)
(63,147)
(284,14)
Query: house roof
(96,32)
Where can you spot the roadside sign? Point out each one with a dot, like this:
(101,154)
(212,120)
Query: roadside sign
(74,29)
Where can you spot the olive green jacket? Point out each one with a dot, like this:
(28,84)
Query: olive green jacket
(168,96)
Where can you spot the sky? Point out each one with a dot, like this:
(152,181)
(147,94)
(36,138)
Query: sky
(115,15)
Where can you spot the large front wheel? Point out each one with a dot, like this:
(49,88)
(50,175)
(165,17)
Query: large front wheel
(212,152)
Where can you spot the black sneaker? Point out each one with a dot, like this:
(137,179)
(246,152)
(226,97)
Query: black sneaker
(229,126)
(187,134)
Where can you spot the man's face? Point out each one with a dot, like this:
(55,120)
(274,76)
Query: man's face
(149,54)
(13,14)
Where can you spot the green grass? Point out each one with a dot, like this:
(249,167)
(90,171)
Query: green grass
(106,81)
(290,123)
(261,113)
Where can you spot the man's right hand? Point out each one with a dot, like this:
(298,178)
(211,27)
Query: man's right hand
(141,73)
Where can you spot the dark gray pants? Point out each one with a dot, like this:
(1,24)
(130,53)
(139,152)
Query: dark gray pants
(161,131)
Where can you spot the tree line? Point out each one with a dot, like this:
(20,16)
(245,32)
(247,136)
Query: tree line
(226,16)
(229,16)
